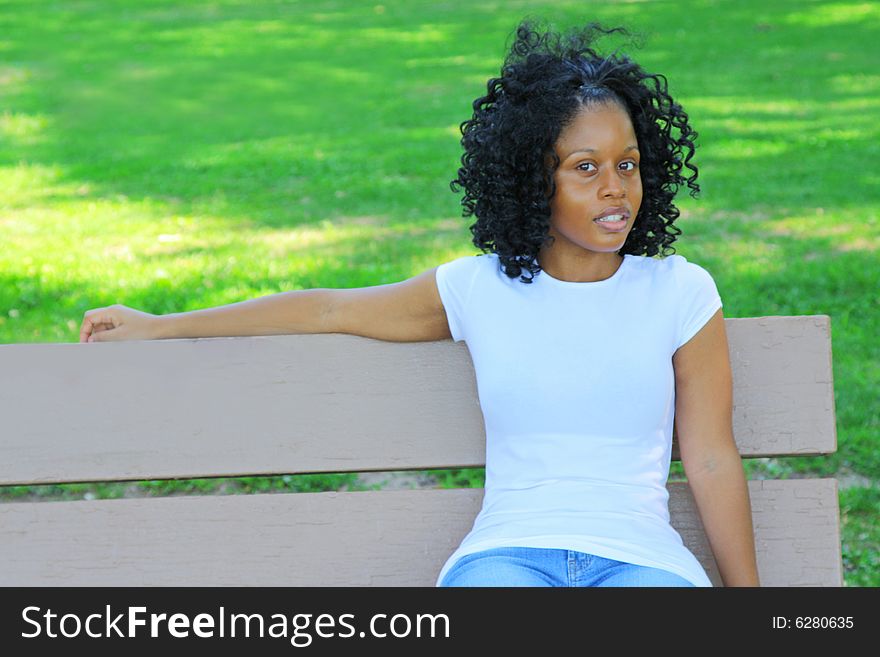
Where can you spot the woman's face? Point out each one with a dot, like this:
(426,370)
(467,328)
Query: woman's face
(598,169)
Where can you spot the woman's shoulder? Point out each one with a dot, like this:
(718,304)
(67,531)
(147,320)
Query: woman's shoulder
(470,262)
(461,272)
(656,263)
(675,271)
(673,263)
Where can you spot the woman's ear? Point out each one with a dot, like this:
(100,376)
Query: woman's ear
(551,163)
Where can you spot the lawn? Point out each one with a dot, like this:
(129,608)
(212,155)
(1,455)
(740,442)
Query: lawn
(179,155)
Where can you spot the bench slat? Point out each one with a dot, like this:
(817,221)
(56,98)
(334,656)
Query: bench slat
(331,403)
(379,538)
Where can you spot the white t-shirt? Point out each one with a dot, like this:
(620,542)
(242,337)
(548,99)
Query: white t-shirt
(577,389)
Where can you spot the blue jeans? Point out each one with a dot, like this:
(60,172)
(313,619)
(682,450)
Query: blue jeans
(525,566)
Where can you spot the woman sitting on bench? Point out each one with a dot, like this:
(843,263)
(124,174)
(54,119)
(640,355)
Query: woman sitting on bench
(587,349)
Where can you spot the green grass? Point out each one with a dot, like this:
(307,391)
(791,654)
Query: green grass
(173,156)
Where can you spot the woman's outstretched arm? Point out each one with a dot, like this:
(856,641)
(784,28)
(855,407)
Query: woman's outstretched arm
(704,429)
(407,311)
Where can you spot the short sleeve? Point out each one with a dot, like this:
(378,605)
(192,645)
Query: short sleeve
(698,299)
(454,283)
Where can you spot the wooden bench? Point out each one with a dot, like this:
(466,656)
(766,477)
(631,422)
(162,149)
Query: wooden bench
(339,403)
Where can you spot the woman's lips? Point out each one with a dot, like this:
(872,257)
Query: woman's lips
(611,226)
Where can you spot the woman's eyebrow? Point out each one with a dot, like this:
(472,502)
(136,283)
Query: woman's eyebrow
(631,147)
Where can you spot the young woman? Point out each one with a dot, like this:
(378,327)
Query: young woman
(587,349)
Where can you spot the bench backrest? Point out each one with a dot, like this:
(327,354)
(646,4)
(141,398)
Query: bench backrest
(339,403)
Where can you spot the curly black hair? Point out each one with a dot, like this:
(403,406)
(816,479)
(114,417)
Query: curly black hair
(546,79)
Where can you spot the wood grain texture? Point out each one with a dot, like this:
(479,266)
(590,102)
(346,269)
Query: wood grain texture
(377,538)
(783,397)
(331,403)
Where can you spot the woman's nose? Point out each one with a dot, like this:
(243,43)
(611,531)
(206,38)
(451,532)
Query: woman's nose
(612,185)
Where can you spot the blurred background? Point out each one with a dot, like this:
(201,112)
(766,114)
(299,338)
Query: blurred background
(172,155)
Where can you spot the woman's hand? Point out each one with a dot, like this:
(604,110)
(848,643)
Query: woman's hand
(118,322)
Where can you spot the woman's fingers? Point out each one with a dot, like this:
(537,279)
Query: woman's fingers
(95,321)
(117,322)
(101,332)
